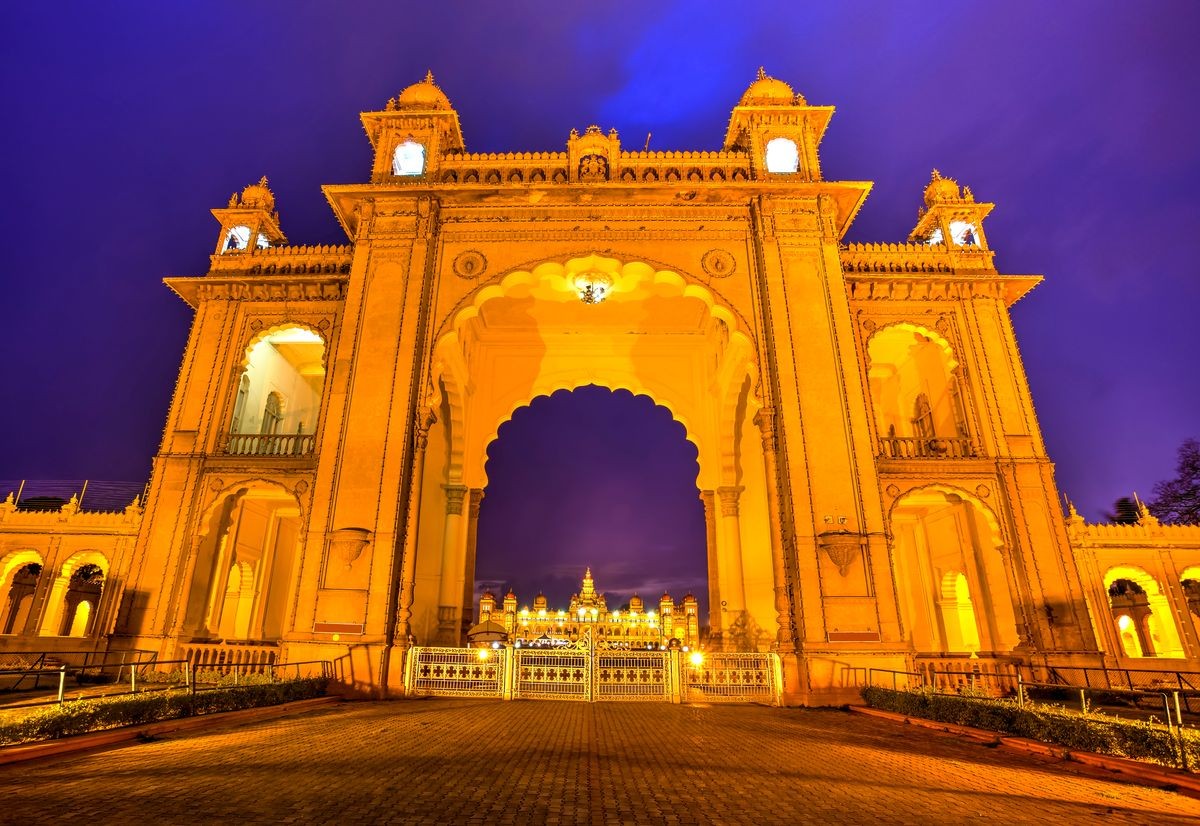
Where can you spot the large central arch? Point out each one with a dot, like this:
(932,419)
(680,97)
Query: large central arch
(526,333)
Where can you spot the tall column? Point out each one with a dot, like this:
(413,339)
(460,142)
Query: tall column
(709,498)
(408,563)
(474,500)
(783,609)
(733,591)
(453,567)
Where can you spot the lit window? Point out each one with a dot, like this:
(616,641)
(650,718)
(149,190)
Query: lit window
(409,159)
(262,243)
(963,234)
(782,157)
(237,239)
(935,237)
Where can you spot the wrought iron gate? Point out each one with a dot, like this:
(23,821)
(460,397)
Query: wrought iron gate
(593,673)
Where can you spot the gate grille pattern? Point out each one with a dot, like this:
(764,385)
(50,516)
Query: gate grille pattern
(456,672)
(732,678)
(554,675)
(633,675)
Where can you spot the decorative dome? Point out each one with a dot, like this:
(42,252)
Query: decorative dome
(941,189)
(423,95)
(769,91)
(635,603)
(258,196)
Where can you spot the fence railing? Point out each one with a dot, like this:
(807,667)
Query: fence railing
(593,674)
(938,447)
(1187,683)
(270,444)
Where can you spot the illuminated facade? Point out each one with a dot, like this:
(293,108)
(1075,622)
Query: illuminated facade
(633,627)
(876,488)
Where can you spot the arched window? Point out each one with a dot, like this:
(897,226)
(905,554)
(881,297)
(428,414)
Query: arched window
(1135,595)
(963,234)
(409,159)
(20,598)
(239,405)
(782,156)
(272,413)
(237,239)
(83,592)
(922,417)
(289,364)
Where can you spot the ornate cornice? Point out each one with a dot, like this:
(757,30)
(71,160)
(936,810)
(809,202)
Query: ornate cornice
(940,287)
(259,288)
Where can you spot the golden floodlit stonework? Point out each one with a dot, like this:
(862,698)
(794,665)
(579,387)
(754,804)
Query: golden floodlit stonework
(875,485)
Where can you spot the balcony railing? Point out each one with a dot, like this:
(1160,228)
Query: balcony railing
(939,447)
(270,444)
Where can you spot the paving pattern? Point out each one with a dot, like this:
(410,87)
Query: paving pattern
(497,763)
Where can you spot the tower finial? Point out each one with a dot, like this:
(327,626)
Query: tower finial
(762,73)
(429,75)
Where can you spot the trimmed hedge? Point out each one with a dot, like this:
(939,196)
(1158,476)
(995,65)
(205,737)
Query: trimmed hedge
(1095,732)
(83,716)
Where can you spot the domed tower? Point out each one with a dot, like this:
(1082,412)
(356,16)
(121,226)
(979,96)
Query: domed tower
(778,130)
(487,604)
(250,221)
(412,133)
(539,603)
(690,621)
(636,604)
(510,612)
(666,610)
(950,216)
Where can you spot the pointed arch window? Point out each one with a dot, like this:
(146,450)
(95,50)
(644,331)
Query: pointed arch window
(783,158)
(409,159)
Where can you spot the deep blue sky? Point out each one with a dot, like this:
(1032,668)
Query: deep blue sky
(126,122)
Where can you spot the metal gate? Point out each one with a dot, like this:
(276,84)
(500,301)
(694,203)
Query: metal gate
(591,673)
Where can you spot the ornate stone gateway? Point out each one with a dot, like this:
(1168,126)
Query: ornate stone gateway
(875,485)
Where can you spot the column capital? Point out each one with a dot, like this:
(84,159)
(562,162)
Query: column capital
(454,499)
(729,499)
(474,502)
(765,419)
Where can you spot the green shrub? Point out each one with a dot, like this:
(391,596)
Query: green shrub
(1095,732)
(82,716)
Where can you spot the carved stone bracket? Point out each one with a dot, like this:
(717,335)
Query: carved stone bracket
(842,548)
(347,544)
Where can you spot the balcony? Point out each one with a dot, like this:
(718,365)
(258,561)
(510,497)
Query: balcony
(270,444)
(939,447)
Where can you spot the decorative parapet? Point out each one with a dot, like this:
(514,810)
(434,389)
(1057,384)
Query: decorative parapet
(69,518)
(1140,533)
(285,260)
(504,168)
(916,259)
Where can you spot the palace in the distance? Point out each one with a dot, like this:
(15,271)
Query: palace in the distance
(876,489)
(588,618)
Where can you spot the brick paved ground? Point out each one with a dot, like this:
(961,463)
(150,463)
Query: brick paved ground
(494,763)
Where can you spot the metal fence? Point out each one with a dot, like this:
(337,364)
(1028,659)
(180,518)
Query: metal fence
(456,672)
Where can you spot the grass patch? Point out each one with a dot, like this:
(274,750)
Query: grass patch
(83,716)
(1094,731)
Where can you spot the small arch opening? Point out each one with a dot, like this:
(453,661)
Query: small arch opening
(783,158)
(409,159)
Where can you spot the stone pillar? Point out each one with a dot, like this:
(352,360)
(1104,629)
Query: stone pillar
(783,609)
(709,497)
(408,563)
(733,591)
(453,567)
(474,500)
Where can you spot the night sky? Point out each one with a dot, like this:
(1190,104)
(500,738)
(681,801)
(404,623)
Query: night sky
(126,122)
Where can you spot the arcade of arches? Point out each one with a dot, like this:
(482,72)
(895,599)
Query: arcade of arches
(877,489)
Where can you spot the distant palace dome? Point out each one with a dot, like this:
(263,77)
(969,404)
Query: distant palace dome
(424,95)
(769,91)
